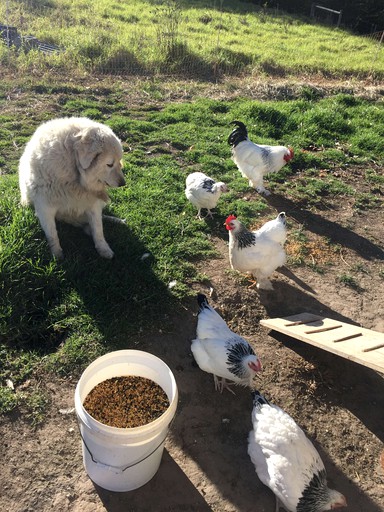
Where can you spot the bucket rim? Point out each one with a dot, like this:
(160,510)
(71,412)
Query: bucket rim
(92,423)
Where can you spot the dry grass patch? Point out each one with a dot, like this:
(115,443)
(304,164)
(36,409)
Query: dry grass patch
(318,252)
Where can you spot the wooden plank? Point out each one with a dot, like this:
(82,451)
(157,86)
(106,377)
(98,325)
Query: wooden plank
(352,342)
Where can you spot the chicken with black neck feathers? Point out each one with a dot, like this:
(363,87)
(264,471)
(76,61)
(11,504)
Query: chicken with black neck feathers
(259,252)
(287,462)
(254,161)
(220,351)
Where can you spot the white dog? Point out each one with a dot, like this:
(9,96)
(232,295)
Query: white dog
(64,172)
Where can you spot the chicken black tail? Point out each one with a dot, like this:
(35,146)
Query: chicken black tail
(283,218)
(202,301)
(240,125)
(238,134)
(258,399)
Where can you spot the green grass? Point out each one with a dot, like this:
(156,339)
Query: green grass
(193,38)
(58,317)
(348,280)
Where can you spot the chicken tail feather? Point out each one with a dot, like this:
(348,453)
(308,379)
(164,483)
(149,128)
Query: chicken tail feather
(258,399)
(202,301)
(238,134)
(240,125)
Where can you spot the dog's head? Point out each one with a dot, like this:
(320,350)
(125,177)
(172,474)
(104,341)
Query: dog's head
(98,155)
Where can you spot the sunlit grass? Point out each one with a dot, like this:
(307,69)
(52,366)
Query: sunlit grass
(193,38)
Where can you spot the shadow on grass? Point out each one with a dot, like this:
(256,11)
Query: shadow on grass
(125,62)
(47,301)
(122,295)
(174,60)
(179,60)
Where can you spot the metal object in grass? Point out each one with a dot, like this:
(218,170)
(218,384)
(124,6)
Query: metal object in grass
(12,38)
(329,13)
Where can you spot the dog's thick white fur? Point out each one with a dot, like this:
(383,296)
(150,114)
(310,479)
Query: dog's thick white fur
(64,173)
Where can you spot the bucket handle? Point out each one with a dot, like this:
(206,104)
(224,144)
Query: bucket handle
(121,469)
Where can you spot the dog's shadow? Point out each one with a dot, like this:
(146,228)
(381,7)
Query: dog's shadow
(119,292)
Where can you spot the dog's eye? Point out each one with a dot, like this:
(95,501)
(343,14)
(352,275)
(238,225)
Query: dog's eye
(110,165)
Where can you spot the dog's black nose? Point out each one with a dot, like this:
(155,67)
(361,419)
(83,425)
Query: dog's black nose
(121,182)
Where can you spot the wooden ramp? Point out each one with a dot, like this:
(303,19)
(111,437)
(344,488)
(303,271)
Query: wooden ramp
(350,341)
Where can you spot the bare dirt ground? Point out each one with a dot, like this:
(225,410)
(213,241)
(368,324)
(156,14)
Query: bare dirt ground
(205,465)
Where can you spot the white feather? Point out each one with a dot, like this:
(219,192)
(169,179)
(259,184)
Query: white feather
(199,195)
(275,229)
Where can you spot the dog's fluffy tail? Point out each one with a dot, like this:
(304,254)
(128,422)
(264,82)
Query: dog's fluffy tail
(24,171)
(24,199)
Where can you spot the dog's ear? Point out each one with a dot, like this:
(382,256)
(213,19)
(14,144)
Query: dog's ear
(88,143)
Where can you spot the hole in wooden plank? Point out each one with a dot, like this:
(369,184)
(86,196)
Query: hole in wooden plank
(323,329)
(301,322)
(380,345)
(356,335)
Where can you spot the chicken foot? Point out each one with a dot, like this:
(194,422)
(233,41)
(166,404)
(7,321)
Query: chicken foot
(200,217)
(221,384)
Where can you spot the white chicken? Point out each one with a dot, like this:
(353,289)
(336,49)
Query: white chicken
(287,462)
(203,192)
(220,351)
(259,252)
(254,161)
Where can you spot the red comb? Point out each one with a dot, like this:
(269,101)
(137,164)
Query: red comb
(229,218)
(287,157)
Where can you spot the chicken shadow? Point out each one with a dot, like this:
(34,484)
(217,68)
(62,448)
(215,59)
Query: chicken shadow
(326,228)
(287,300)
(285,271)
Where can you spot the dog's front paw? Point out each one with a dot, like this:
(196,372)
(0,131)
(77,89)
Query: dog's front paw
(57,253)
(262,190)
(105,251)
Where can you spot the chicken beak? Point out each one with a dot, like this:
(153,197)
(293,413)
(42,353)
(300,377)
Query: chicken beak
(256,367)
(340,504)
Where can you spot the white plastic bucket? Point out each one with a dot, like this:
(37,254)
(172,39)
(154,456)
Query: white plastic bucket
(123,459)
